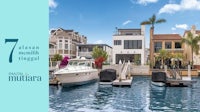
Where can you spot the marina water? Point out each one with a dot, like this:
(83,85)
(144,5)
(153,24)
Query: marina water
(141,97)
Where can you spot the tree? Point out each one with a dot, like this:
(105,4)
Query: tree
(137,59)
(99,55)
(152,21)
(163,54)
(192,42)
(57,57)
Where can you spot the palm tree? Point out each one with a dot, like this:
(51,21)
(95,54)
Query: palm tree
(163,54)
(192,42)
(57,57)
(152,21)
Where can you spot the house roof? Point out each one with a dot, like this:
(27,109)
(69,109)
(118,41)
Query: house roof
(53,31)
(166,37)
(93,45)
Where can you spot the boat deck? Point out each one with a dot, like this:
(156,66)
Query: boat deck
(173,82)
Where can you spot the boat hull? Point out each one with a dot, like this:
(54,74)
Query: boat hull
(160,84)
(76,79)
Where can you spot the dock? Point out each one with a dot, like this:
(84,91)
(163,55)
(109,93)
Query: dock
(126,82)
(173,82)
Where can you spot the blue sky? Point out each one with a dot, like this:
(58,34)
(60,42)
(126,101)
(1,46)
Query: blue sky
(97,19)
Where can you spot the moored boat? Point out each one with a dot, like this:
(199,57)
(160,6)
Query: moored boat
(77,72)
(158,79)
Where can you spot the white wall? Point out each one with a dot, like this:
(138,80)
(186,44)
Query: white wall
(119,49)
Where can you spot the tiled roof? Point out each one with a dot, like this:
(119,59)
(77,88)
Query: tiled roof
(166,37)
(52,31)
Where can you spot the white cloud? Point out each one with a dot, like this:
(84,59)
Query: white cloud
(143,2)
(173,28)
(99,42)
(53,4)
(126,22)
(181,26)
(184,5)
(169,8)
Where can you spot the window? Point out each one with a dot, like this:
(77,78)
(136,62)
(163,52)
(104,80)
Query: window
(132,44)
(139,44)
(126,42)
(90,49)
(66,46)
(168,45)
(157,46)
(60,45)
(177,45)
(117,42)
(129,34)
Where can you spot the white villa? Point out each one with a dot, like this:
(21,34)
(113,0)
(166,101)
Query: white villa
(129,44)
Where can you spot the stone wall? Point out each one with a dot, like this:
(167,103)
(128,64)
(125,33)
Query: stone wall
(135,70)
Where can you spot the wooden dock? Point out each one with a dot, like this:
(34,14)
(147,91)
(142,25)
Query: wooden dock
(125,82)
(173,82)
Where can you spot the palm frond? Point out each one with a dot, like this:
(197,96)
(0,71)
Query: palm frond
(145,23)
(161,21)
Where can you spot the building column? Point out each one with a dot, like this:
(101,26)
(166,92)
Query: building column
(114,58)
(151,44)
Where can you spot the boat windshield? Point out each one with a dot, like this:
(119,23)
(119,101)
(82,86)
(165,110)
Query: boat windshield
(79,63)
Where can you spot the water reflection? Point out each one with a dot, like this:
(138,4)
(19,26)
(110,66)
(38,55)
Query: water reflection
(171,99)
(141,97)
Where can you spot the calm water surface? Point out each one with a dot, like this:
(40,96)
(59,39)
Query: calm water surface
(141,97)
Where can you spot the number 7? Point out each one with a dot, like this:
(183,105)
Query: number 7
(11,40)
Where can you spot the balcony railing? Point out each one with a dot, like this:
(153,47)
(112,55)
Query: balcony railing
(176,49)
(84,53)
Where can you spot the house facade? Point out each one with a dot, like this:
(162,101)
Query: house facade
(168,42)
(85,50)
(64,42)
(187,49)
(129,44)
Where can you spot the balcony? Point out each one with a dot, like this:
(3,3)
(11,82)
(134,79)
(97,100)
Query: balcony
(175,50)
(86,54)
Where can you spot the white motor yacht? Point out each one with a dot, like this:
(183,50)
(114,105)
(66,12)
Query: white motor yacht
(77,72)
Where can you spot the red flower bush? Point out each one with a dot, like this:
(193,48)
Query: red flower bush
(99,61)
